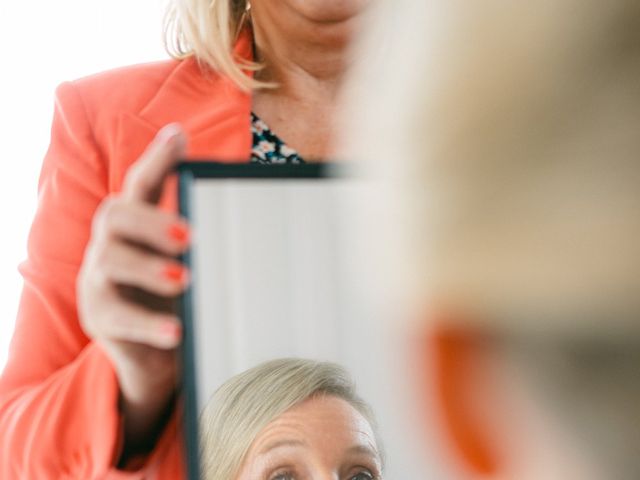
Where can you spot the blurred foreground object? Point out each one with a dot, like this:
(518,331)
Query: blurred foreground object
(505,139)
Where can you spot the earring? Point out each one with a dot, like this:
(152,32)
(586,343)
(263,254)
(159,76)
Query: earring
(244,19)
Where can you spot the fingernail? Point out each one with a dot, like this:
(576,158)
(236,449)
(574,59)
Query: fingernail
(171,330)
(169,132)
(175,272)
(179,232)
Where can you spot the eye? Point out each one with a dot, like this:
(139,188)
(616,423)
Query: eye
(362,476)
(283,476)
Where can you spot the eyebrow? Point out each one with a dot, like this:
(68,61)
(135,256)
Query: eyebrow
(365,450)
(356,449)
(281,443)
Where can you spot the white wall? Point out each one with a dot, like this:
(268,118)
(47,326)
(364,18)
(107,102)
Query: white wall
(44,43)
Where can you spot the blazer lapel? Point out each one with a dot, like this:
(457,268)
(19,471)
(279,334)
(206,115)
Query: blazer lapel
(213,111)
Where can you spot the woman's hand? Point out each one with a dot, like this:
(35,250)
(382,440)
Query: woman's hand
(126,287)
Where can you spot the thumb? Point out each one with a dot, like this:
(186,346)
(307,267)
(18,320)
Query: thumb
(145,178)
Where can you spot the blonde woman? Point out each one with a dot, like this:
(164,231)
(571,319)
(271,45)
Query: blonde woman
(89,388)
(289,419)
(514,190)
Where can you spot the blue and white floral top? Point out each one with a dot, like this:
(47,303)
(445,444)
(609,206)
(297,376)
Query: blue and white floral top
(268,149)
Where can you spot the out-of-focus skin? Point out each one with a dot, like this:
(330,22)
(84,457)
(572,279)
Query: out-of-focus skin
(323,438)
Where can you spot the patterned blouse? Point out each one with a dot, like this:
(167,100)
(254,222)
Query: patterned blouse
(268,149)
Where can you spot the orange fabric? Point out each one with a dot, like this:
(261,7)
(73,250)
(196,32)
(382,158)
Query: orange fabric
(58,393)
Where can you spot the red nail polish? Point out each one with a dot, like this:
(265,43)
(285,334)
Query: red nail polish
(179,233)
(171,329)
(175,272)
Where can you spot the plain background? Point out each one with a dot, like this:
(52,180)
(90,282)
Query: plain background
(45,43)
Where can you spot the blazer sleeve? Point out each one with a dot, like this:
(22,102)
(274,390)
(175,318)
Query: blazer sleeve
(58,393)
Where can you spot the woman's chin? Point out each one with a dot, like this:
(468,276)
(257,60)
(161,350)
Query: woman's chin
(329,11)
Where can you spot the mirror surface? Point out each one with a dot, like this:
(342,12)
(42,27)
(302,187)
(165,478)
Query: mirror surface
(276,272)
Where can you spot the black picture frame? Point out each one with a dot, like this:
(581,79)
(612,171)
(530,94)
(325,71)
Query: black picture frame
(188,173)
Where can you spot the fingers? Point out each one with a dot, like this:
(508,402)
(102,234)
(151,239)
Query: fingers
(115,259)
(133,323)
(124,264)
(131,248)
(146,177)
(140,223)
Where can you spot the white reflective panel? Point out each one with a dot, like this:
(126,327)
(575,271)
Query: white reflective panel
(268,274)
(279,272)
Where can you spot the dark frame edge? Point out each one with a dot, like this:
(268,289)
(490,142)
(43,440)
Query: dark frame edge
(209,169)
(189,381)
(188,171)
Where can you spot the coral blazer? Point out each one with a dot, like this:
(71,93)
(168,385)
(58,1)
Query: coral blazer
(59,415)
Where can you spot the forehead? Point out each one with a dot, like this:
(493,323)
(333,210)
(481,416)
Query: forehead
(322,421)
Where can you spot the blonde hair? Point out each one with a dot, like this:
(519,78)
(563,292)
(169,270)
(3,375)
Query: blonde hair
(246,403)
(514,132)
(508,136)
(208,30)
